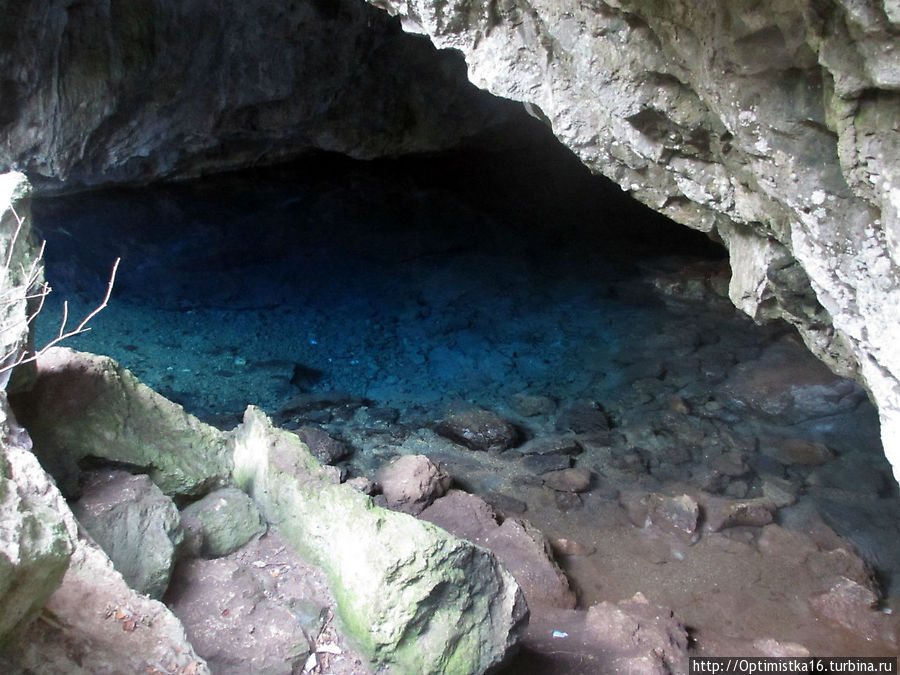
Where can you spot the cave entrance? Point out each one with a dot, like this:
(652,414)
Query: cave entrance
(384,302)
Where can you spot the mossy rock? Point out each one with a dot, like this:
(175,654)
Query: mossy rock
(414,598)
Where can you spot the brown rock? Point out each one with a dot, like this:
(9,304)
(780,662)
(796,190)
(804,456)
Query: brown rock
(563,546)
(410,483)
(677,515)
(730,464)
(639,637)
(679,405)
(516,543)
(722,513)
(568,480)
(567,501)
(583,417)
(796,451)
(326,449)
(562,444)
(853,606)
(479,429)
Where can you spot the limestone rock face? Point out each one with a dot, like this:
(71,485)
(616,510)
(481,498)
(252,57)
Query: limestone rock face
(21,269)
(94,624)
(414,598)
(135,524)
(35,544)
(83,405)
(773,126)
(131,93)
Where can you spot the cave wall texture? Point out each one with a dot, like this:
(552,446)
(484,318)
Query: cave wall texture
(113,91)
(773,125)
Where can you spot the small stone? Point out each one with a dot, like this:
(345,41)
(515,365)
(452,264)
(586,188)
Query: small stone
(505,504)
(571,547)
(583,417)
(565,444)
(323,447)
(479,429)
(568,480)
(724,513)
(410,483)
(567,501)
(779,491)
(362,484)
(226,519)
(532,405)
(677,515)
(545,463)
(798,452)
(730,464)
(679,405)
(737,489)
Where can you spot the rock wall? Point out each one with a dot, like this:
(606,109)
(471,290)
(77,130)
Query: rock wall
(104,92)
(774,126)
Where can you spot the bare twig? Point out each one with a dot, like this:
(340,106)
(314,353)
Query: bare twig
(40,293)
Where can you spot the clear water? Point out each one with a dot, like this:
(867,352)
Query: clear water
(416,286)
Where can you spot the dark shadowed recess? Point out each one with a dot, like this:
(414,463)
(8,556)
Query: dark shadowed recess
(515,189)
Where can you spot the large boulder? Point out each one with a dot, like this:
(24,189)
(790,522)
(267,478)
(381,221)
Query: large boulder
(87,406)
(135,524)
(414,598)
(94,624)
(774,127)
(517,544)
(224,520)
(35,544)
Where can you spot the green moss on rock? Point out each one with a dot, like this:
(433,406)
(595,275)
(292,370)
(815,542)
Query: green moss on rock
(413,597)
(83,405)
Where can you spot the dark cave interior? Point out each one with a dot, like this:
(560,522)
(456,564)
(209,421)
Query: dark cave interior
(372,299)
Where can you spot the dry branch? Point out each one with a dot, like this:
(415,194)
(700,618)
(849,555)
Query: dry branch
(40,291)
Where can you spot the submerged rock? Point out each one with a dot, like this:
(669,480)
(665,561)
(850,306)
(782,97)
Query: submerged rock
(35,543)
(568,480)
(224,520)
(479,429)
(678,515)
(412,597)
(853,606)
(640,637)
(557,444)
(798,452)
(723,513)
(410,483)
(583,417)
(135,524)
(83,405)
(786,386)
(326,449)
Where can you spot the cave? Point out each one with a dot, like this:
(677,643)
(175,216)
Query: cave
(390,265)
